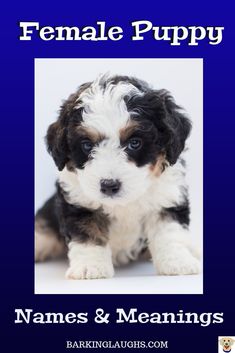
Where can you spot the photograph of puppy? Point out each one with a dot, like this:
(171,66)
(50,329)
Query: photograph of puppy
(121,189)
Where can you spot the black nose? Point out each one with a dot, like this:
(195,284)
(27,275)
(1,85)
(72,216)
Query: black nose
(110,187)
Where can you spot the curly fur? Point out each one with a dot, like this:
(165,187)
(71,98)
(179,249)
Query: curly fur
(149,208)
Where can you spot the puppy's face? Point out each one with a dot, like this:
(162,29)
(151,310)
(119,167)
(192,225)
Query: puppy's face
(226,342)
(117,134)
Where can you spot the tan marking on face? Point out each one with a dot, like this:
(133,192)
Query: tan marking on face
(70,166)
(90,133)
(159,167)
(128,130)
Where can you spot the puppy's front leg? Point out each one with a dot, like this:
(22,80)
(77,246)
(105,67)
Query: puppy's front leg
(86,232)
(89,261)
(171,248)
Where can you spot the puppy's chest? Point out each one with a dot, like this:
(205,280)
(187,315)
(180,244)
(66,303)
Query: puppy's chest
(126,236)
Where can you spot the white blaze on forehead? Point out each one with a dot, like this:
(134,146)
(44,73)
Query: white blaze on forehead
(104,108)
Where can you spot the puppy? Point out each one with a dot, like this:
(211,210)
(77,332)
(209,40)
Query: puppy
(226,343)
(121,189)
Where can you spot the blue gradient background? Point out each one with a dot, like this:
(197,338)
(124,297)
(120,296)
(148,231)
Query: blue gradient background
(17,173)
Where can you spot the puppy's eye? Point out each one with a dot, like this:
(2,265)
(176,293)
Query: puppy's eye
(134,144)
(87,146)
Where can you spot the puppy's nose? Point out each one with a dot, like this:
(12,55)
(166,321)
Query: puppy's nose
(110,187)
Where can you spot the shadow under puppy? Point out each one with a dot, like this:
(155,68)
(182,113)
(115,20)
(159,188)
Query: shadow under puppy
(121,187)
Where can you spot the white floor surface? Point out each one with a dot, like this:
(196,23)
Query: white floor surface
(137,278)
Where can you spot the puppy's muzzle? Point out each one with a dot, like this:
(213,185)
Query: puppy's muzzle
(110,187)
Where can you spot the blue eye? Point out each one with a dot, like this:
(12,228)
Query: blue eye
(87,146)
(134,144)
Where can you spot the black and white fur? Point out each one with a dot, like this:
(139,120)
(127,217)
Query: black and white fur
(118,131)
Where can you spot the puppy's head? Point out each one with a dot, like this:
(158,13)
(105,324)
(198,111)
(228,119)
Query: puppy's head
(226,342)
(116,134)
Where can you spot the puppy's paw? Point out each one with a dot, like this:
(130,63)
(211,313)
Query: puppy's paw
(180,262)
(90,271)
(89,261)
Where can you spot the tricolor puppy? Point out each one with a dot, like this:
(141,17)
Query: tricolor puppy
(121,189)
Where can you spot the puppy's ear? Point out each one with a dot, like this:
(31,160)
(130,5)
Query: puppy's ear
(57,133)
(221,341)
(176,125)
(56,138)
(57,144)
(232,341)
